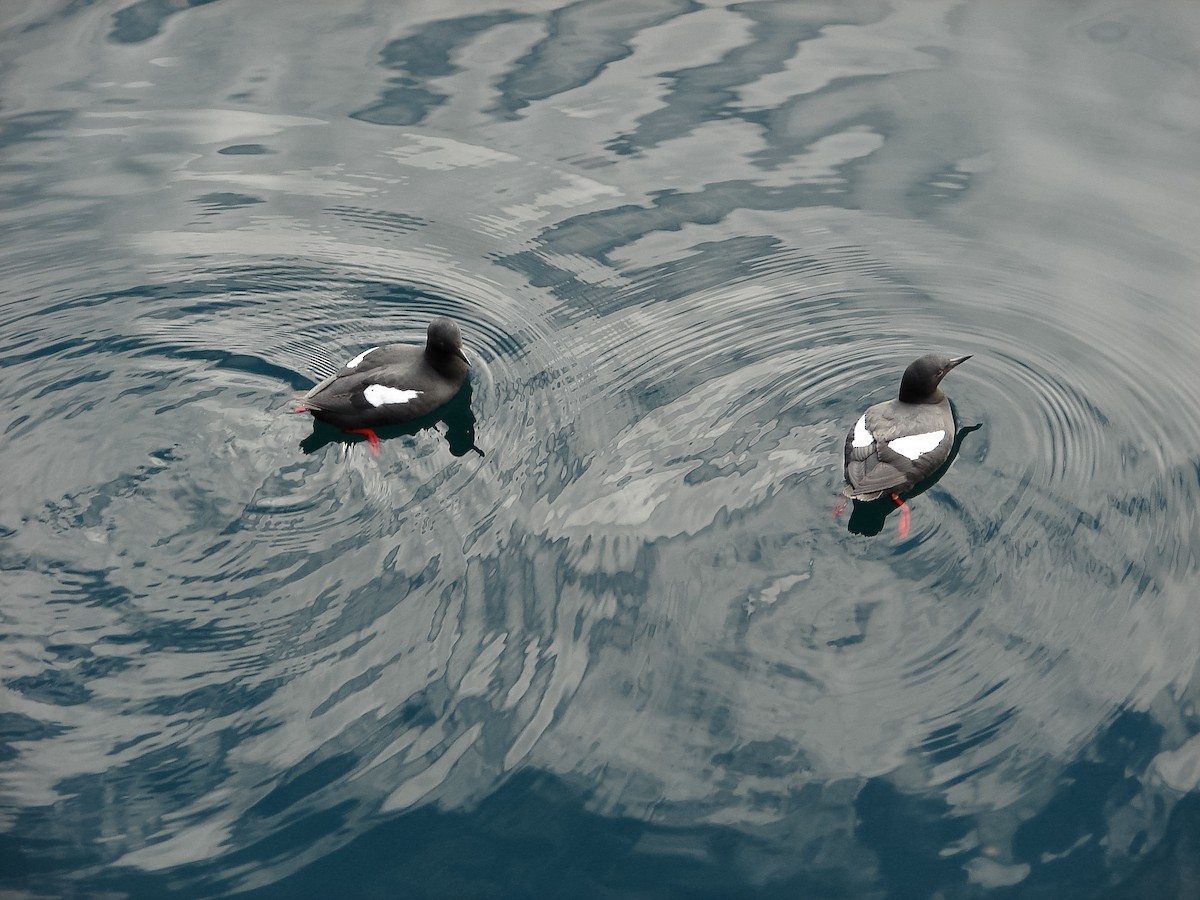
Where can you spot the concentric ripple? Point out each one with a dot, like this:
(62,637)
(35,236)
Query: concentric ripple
(647,518)
(684,256)
(274,587)
(958,645)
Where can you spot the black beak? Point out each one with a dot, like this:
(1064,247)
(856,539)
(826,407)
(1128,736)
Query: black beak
(959,360)
(458,351)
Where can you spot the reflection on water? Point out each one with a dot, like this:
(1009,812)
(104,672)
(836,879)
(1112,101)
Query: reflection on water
(597,611)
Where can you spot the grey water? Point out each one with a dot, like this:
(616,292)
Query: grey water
(597,632)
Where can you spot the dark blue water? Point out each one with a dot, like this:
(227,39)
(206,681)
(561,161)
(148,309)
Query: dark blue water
(596,633)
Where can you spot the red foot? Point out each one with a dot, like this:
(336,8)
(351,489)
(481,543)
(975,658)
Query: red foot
(905,517)
(370,435)
(839,506)
(300,409)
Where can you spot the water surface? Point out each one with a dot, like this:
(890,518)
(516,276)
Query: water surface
(624,649)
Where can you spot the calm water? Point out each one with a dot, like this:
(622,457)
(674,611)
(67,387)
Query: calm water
(624,649)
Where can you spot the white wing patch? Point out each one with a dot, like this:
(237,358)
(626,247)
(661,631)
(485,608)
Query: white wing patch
(913,445)
(353,364)
(862,437)
(379,394)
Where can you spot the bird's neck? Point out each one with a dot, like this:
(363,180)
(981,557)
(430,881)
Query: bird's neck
(450,366)
(912,396)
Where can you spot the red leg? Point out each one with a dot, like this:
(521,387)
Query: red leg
(300,409)
(905,517)
(839,506)
(370,435)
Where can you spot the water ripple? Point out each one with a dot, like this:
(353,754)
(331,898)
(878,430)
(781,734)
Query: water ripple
(235,648)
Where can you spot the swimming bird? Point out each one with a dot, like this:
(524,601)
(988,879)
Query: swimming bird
(897,444)
(391,385)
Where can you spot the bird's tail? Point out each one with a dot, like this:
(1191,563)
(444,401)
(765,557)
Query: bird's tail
(304,403)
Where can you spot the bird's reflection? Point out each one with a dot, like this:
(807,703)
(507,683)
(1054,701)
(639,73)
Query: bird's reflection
(456,415)
(868,517)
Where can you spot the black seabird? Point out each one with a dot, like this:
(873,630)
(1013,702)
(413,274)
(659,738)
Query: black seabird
(896,444)
(391,385)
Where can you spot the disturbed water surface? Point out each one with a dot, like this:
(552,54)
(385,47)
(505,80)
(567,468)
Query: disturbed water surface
(596,633)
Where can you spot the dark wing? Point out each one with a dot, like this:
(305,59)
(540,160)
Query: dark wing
(871,466)
(882,471)
(348,374)
(320,386)
(372,399)
(378,357)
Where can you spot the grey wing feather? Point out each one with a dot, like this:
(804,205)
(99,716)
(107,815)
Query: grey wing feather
(875,468)
(885,471)
(320,386)
(856,454)
(369,360)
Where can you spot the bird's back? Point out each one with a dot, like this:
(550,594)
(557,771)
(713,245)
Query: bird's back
(383,386)
(895,445)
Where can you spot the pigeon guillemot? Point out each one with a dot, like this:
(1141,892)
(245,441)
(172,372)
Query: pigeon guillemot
(896,444)
(390,385)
